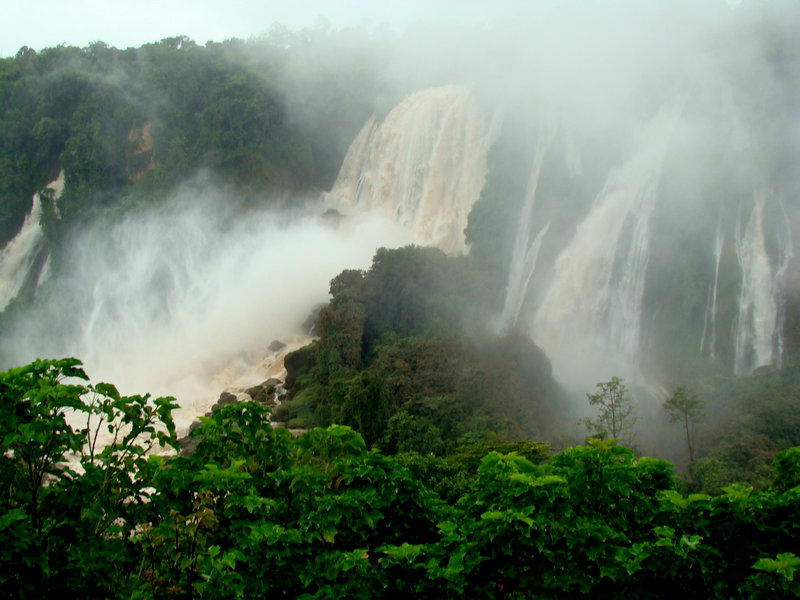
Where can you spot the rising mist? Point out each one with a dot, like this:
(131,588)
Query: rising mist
(185,299)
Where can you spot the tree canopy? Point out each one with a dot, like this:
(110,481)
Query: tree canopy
(402,358)
(252,512)
(128,125)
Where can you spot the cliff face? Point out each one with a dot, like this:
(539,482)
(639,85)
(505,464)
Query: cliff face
(646,254)
(639,217)
(139,152)
(793,313)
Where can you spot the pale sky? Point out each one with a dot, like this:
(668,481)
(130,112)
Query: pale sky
(44,23)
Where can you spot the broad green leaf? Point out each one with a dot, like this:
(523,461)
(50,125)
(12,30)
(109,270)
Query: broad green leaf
(784,564)
(405,551)
(690,541)
(11,517)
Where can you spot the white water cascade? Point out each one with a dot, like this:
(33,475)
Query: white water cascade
(593,306)
(184,299)
(525,251)
(423,166)
(179,308)
(758,338)
(19,255)
(710,321)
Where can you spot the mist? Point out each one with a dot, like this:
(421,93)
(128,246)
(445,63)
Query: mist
(185,299)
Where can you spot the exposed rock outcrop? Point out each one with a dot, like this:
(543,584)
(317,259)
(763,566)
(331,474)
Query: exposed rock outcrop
(139,153)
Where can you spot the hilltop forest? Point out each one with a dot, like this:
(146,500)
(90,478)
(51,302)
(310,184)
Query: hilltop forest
(439,458)
(147,118)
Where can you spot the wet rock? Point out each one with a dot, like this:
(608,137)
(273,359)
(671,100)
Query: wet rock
(187,444)
(264,392)
(332,217)
(276,346)
(225,398)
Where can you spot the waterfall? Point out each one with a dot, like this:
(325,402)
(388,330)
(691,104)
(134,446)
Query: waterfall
(187,296)
(19,254)
(758,335)
(710,325)
(189,288)
(593,304)
(525,251)
(423,166)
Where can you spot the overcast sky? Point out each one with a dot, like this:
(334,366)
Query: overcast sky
(44,23)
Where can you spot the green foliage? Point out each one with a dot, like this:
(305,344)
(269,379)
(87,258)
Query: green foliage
(127,126)
(469,457)
(785,564)
(686,408)
(444,476)
(400,360)
(252,512)
(787,469)
(70,500)
(615,419)
(341,325)
(240,430)
(751,421)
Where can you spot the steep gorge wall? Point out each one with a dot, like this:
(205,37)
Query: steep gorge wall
(675,253)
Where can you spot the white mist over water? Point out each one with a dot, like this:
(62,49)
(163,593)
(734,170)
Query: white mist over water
(587,311)
(592,309)
(759,336)
(423,166)
(185,300)
(18,256)
(525,252)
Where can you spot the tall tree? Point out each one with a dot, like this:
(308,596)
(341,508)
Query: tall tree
(615,419)
(685,407)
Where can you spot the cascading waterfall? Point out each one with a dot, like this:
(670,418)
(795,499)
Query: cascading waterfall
(526,251)
(593,305)
(174,307)
(170,307)
(424,166)
(20,254)
(710,321)
(759,336)
(517,288)
(758,329)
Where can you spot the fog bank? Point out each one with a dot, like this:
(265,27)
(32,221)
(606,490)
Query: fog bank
(185,299)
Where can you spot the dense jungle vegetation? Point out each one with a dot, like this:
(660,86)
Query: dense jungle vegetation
(399,358)
(253,513)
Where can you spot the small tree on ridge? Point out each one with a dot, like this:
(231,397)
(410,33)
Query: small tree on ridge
(615,419)
(686,407)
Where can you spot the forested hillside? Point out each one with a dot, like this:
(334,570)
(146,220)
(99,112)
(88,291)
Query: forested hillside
(401,358)
(131,124)
(472,424)
(128,127)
